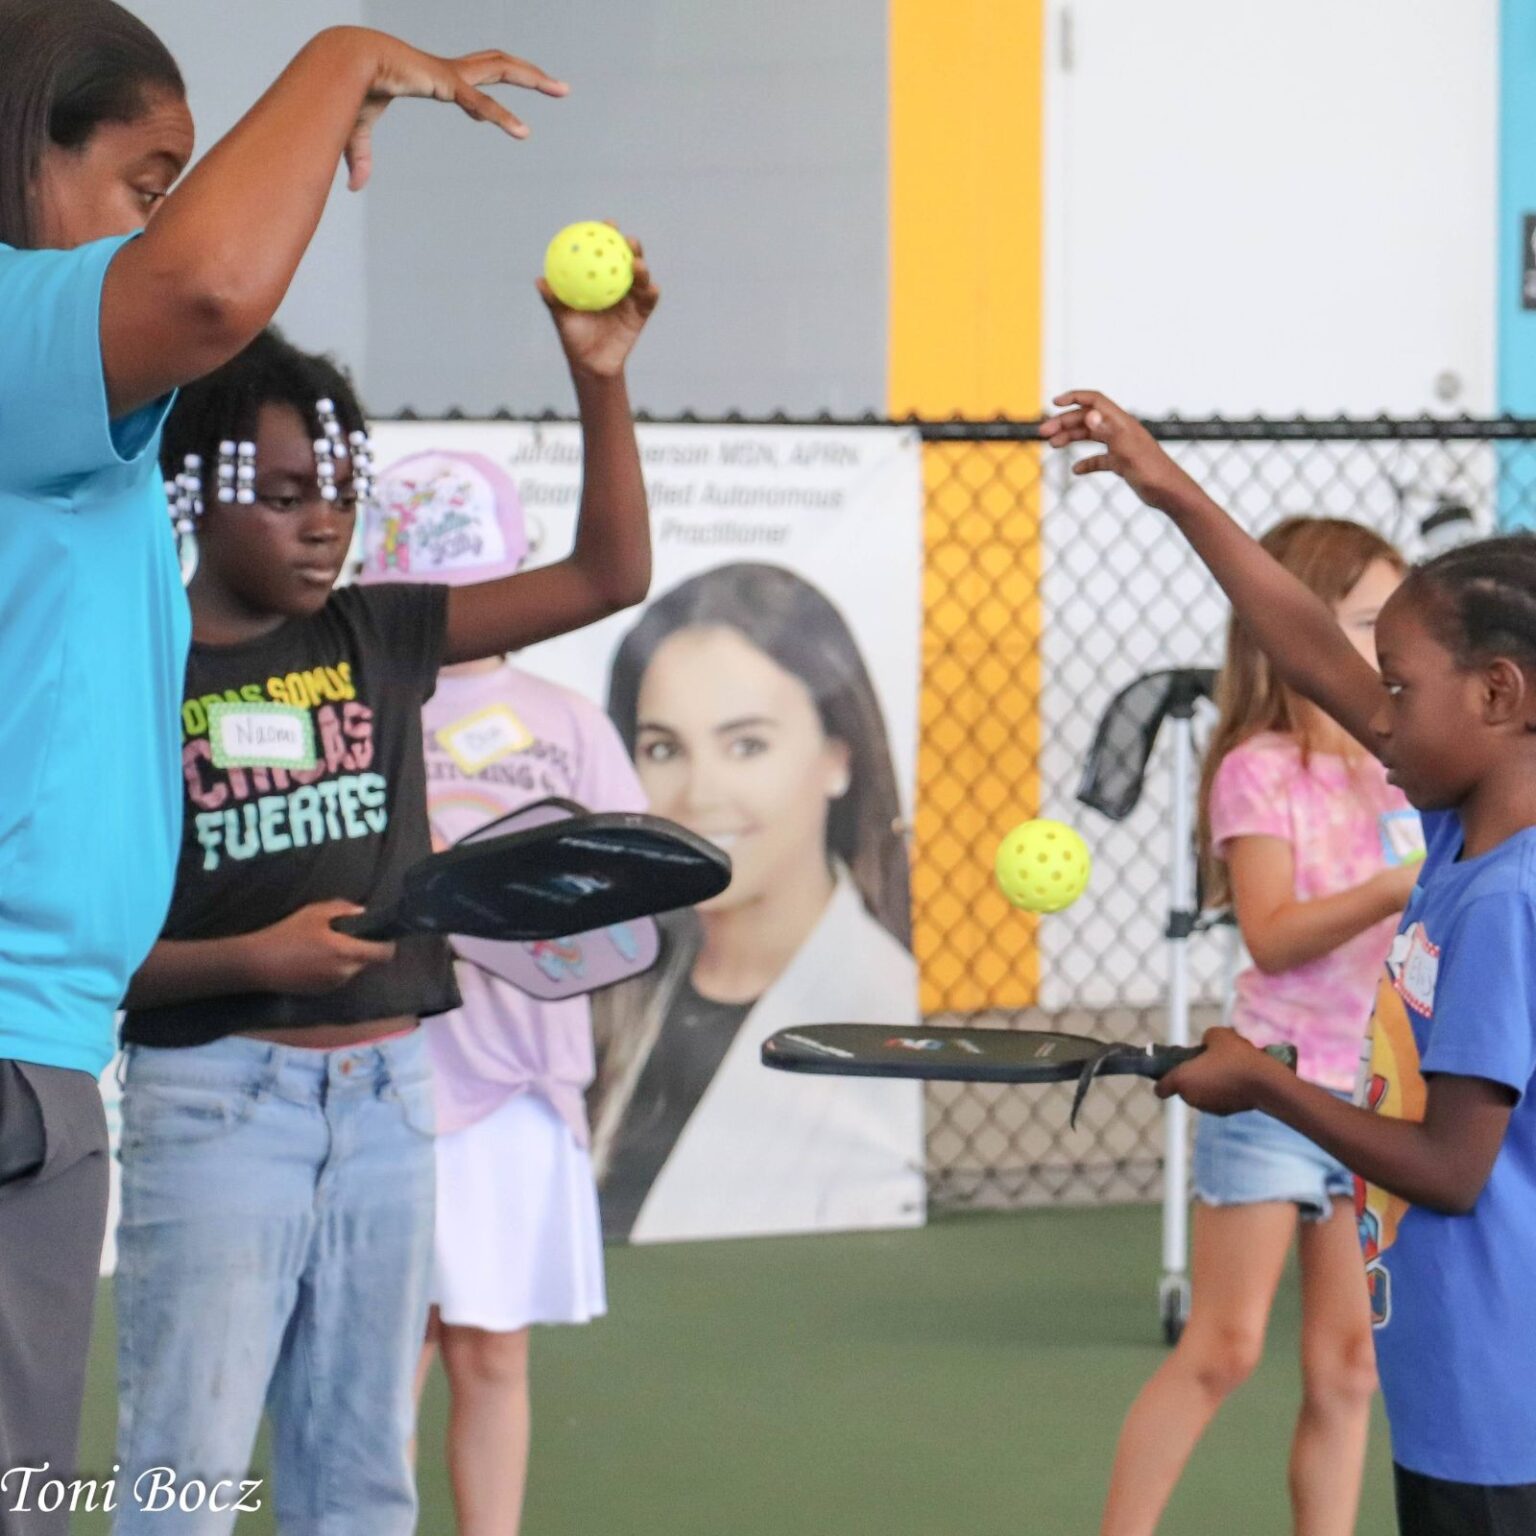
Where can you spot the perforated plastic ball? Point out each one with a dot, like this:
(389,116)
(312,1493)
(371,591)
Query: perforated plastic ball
(1043,866)
(589,265)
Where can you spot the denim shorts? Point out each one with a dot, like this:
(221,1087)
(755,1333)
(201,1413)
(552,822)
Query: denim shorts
(1251,1158)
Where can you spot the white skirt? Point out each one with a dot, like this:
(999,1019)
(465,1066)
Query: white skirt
(519,1240)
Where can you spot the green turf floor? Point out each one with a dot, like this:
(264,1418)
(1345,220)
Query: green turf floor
(969,1378)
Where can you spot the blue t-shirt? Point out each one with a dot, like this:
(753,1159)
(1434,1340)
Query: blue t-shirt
(93,648)
(1454,1297)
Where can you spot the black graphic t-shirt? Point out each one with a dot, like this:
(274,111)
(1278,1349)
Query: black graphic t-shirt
(304,780)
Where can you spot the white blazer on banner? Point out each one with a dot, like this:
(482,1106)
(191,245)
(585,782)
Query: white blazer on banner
(768,1151)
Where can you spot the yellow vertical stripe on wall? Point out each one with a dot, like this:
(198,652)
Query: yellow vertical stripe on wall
(966,162)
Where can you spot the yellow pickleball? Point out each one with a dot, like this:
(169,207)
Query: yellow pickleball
(589,265)
(1043,866)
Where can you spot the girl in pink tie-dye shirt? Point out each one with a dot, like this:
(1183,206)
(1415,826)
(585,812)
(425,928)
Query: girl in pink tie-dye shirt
(1315,852)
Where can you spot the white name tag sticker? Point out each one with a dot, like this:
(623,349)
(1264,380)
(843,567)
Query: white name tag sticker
(485,737)
(1420,970)
(261,736)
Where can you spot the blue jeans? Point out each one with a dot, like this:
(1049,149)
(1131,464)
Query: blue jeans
(275,1250)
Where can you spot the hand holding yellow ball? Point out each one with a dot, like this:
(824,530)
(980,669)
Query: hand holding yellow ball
(589,265)
(1043,866)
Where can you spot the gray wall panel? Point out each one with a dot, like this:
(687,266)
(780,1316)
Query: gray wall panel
(746,146)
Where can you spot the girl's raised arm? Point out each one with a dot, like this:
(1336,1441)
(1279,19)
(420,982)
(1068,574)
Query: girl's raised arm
(1295,628)
(216,260)
(610,566)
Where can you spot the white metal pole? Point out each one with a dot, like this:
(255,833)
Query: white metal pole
(1181,885)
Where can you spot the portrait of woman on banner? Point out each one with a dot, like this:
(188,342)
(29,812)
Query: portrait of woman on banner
(752,719)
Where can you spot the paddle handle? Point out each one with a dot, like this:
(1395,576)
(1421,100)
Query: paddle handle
(1163,1059)
(378,926)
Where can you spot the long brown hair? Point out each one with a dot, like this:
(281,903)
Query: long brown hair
(1328,555)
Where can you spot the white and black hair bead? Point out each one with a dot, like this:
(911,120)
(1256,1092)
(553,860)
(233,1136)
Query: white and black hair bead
(226,472)
(245,474)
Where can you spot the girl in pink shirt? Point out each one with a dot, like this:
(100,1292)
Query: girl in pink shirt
(518,1240)
(1303,837)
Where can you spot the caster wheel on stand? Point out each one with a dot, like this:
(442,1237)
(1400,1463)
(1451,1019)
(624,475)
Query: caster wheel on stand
(1173,1303)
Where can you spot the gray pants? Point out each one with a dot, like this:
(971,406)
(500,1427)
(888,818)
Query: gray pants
(53,1214)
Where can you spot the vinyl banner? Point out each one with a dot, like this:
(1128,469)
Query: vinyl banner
(768,694)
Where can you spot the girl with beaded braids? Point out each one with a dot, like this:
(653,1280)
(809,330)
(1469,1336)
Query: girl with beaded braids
(1442,1136)
(275,1246)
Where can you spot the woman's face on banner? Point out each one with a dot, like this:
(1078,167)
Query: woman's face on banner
(731,746)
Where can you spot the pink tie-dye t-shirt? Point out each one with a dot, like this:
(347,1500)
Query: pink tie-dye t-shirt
(1344,823)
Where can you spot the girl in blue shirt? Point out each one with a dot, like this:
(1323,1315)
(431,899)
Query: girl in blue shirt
(114,290)
(1442,1136)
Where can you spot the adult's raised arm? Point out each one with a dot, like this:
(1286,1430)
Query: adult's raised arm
(210,271)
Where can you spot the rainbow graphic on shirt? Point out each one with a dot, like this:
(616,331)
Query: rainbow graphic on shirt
(457,812)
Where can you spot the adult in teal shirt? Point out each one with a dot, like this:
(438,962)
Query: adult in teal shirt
(114,290)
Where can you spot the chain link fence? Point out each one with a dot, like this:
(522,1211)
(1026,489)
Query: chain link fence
(1046,594)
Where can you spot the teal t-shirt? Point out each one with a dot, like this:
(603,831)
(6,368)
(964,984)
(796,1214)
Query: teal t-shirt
(93,649)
